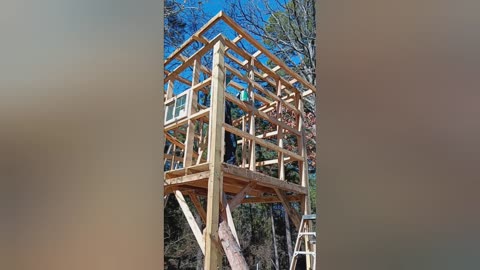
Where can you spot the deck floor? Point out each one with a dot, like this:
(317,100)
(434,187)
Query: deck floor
(195,179)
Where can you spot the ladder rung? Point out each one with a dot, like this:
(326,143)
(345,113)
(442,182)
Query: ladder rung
(304,253)
(307,233)
(309,217)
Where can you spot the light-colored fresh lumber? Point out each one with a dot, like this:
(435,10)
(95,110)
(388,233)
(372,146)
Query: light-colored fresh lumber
(261,142)
(207,26)
(190,60)
(215,181)
(184,121)
(198,206)
(191,220)
(237,200)
(267,53)
(249,109)
(272,199)
(292,213)
(261,179)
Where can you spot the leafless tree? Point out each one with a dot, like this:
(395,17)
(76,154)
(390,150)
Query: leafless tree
(287,27)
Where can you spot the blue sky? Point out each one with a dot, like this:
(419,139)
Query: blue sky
(212,7)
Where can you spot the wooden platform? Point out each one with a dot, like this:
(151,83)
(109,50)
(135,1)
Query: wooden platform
(270,121)
(262,187)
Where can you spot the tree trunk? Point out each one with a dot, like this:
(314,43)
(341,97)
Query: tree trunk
(289,238)
(231,247)
(277,265)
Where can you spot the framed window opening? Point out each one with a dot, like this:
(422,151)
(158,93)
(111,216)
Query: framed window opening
(176,108)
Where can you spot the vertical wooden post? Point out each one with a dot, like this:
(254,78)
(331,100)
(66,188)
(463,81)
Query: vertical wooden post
(170,88)
(213,257)
(173,166)
(303,165)
(303,169)
(200,142)
(192,107)
(244,142)
(281,167)
(251,77)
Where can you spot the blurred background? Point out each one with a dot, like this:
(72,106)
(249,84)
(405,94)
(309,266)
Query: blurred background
(80,119)
(398,134)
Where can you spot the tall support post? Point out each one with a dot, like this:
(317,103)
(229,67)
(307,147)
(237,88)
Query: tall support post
(244,143)
(213,257)
(201,145)
(251,77)
(281,167)
(170,89)
(303,169)
(192,108)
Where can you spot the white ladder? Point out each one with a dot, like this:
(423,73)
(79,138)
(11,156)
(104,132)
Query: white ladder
(308,237)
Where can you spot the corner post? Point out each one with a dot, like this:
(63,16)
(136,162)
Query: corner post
(303,169)
(213,256)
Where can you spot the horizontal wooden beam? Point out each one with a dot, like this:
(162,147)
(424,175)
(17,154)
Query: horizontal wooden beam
(236,60)
(184,121)
(273,96)
(204,28)
(187,178)
(242,174)
(261,66)
(261,142)
(200,39)
(262,136)
(203,68)
(249,108)
(178,78)
(192,58)
(270,162)
(272,199)
(267,53)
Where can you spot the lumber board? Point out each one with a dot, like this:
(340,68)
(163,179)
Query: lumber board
(200,39)
(191,108)
(276,98)
(266,52)
(261,142)
(237,200)
(196,202)
(198,53)
(251,124)
(261,179)
(188,178)
(202,84)
(271,199)
(249,109)
(182,47)
(292,213)
(191,220)
(215,181)
(272,162)
(281,159)
(261,66)
(184,121)
(236,60)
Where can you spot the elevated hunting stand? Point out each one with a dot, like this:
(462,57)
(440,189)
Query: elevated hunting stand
(271,120)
